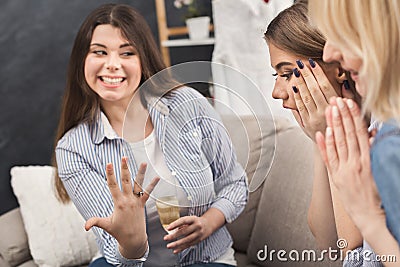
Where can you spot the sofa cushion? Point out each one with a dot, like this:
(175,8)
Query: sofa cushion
(282,215)
(29,263)
(3,263)
(55,231)
(254,141)
(281,220)
(13,242)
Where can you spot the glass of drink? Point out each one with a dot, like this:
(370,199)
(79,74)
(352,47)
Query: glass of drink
(168,210)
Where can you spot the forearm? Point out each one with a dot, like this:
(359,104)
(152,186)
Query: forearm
(382,242)
(215,219)
(345,227)
(321,217)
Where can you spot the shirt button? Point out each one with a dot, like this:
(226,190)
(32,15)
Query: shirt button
(173,173)
(195,134)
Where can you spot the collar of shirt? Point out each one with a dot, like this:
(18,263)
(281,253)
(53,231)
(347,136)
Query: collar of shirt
(103,128)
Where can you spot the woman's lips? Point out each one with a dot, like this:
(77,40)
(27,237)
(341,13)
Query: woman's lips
(111,82)
(287,107)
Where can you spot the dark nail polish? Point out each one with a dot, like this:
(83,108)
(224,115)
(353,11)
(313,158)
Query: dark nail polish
(296,72)
(300,64)
(312,63)
(346,84)
(295,90)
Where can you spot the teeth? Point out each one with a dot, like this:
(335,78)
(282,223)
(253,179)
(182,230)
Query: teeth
(112,80)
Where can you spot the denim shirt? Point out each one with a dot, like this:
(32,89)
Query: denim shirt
(385,163)
(197,150)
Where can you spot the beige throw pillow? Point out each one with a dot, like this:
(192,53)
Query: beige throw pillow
(56,233)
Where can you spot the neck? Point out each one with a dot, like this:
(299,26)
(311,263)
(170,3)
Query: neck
(132,118)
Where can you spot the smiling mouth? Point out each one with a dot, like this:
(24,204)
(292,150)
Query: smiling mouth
(112,81)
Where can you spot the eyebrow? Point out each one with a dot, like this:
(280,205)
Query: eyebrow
(282,64)
(121,46)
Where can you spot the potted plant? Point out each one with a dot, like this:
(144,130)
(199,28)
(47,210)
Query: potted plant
(196,22)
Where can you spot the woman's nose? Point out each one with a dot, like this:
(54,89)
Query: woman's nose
(113,62)
(279,92)
(331,53)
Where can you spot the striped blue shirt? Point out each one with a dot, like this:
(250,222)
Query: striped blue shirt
(197,150)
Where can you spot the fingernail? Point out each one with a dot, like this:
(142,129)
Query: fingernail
(109,167)
(346,84)
(295,89)
(350,103)
(312,63)
(296,72)
(300,63)
(335,111)
(328,131)
(340,102)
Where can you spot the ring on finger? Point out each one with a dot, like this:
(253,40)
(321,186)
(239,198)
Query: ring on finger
(139,194)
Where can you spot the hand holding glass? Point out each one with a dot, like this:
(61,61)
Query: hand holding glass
(168,210)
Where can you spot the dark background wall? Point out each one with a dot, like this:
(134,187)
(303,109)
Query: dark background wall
(36,38)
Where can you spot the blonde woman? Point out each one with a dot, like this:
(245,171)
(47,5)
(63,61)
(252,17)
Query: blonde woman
(364,37)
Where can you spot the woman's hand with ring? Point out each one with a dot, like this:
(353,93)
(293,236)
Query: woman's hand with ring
(127,222)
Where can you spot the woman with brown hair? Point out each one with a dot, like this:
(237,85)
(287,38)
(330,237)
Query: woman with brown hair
(112,60)
(305,84)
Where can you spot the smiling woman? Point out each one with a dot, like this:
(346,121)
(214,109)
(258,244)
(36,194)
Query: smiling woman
(112,68)
(114,54)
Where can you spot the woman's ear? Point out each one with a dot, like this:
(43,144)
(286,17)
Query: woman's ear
(340,75)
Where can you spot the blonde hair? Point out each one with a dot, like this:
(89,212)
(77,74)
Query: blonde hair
(370,29)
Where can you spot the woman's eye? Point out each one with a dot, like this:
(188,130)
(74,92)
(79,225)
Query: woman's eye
(99,52)
(128,53)
(287,75)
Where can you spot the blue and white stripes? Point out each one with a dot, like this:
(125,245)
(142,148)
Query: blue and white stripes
(196,148)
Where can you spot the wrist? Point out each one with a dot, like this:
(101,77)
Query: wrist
(213,219)
(371,228)
(134,249)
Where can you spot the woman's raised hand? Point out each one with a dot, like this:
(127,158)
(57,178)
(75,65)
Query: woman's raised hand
(345,149)
(312,91)
(127,222)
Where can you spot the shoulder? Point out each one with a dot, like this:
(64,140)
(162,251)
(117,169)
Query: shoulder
(76,137)
(387,139)
(385,151)
(187,102)
(184,94)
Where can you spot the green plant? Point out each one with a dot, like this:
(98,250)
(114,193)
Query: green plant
(193,8)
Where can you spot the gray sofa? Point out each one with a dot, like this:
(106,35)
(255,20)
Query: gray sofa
(278,160)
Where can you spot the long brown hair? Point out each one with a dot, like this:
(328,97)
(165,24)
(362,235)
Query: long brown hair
(80,103)
(291,31)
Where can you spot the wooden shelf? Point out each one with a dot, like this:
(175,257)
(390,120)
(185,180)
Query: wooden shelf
(187,42)
(164,32)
